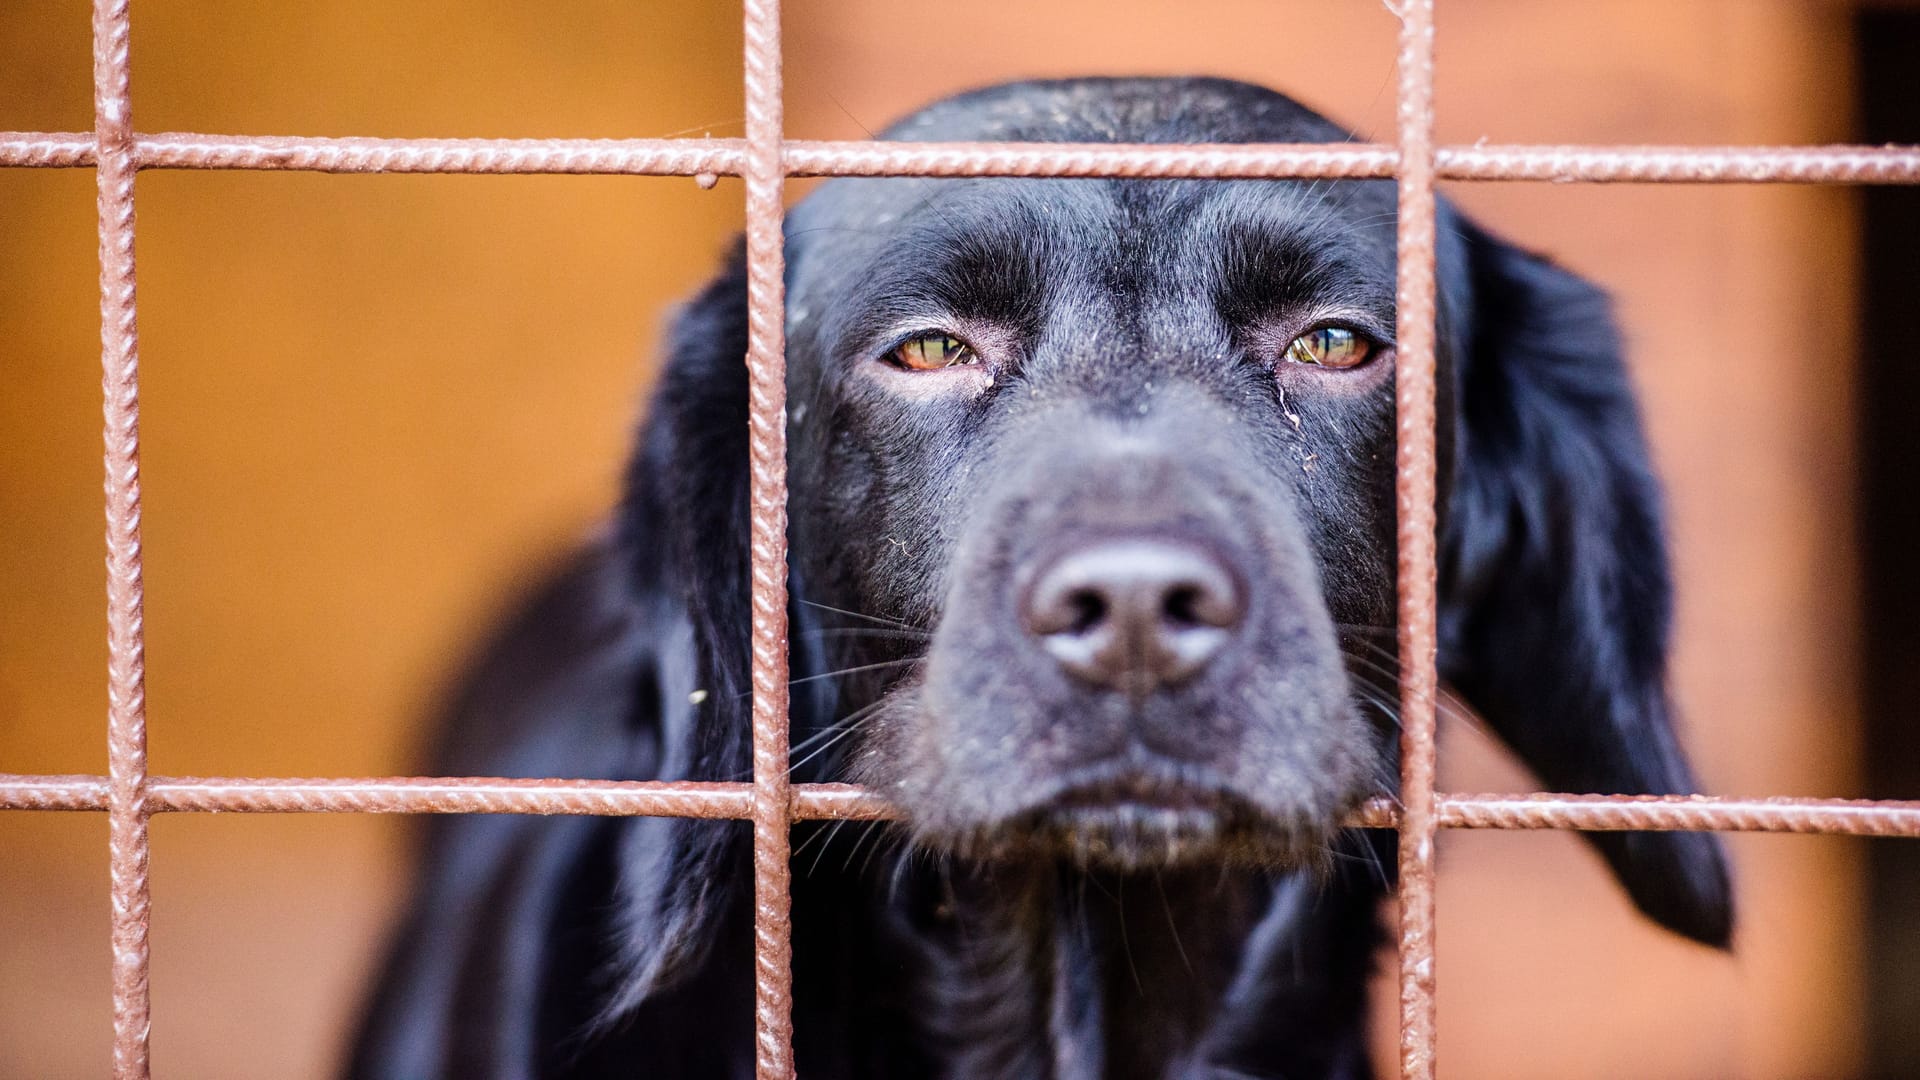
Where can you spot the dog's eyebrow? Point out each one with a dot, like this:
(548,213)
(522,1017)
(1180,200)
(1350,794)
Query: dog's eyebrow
(969,260)
(1269,263)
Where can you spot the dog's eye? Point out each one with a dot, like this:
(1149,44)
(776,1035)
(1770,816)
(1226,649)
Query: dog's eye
(930,352)
(1331,346)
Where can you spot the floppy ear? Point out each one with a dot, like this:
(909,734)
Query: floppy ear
(683,529)
(631,664)
(1556,598)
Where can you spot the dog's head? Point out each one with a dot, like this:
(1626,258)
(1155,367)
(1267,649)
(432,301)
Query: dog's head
(1093,502)
(1126,451)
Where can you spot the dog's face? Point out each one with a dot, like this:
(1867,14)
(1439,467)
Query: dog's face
(1092,503)
(1126,451)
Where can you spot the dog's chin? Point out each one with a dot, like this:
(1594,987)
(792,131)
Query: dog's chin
(1134,824)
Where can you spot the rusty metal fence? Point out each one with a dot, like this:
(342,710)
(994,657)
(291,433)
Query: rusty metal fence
(764,159)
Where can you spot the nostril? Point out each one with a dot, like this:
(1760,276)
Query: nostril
(1088,609)
(1211,602)
(1182,606)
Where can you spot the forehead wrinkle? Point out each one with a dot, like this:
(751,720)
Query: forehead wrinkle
(988,252)
(1278,247)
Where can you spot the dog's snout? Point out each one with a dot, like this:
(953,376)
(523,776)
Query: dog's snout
(1134,614)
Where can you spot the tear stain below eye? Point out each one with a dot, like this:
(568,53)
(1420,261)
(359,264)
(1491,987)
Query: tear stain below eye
(1292,417)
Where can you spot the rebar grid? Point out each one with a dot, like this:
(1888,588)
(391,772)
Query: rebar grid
(765,158)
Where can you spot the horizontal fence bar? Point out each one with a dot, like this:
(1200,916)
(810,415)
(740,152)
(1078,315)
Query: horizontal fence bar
(847,802)
(1213,161)
(1671,813)
(437,795)
(726,157)
(1684,164)
(174,150)
(1560,164)
(53,792)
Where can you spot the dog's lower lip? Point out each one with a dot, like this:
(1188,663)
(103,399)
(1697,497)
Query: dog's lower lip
(1136,790)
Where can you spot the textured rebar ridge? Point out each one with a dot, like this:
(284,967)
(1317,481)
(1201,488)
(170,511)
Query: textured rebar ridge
(847,802)
(656,157)
(53,792)
(1414,381)
(469,795)
(1684,164)
(727,157)
(127,850)
(1140,161)
(1840,817)
(767,510)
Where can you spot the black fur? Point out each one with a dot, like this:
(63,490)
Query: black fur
(1129,384)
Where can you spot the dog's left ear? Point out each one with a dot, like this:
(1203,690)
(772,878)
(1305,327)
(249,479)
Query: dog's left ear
(683,526)
(1555,594)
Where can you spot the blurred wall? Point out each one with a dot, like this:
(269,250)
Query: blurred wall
(373,405)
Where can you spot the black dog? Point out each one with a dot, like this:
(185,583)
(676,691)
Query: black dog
(1093,576)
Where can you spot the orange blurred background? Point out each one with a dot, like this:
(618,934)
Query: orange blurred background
(374,406)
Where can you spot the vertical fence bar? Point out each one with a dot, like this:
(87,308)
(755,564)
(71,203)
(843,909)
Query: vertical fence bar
(767,435)
(126,634)
(1414,410)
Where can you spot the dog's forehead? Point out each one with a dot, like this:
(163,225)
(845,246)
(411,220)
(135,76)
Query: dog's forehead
(1086,110)
(1123,110)
(871,256)
(852,232)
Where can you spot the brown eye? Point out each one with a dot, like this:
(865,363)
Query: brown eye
(930,352)
(1331,346)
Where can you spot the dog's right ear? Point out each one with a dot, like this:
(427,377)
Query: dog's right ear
(1556,596)
(683,530)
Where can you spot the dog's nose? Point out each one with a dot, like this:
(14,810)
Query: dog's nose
(1134,614)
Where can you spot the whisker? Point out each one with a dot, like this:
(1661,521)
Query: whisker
(837,729)
(1387,699)
(846,728)
(852,670)
(1386,654)
(1390,676)
(900,624)
(869,631)
(874,833)
(1369,855)
(1447,703)
(829,732)
(825,844)
(839,672)
(1173,927)
(1387,710)
(901,866)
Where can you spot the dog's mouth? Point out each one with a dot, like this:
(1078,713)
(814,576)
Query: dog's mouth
(1139,789)
(1141,817)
